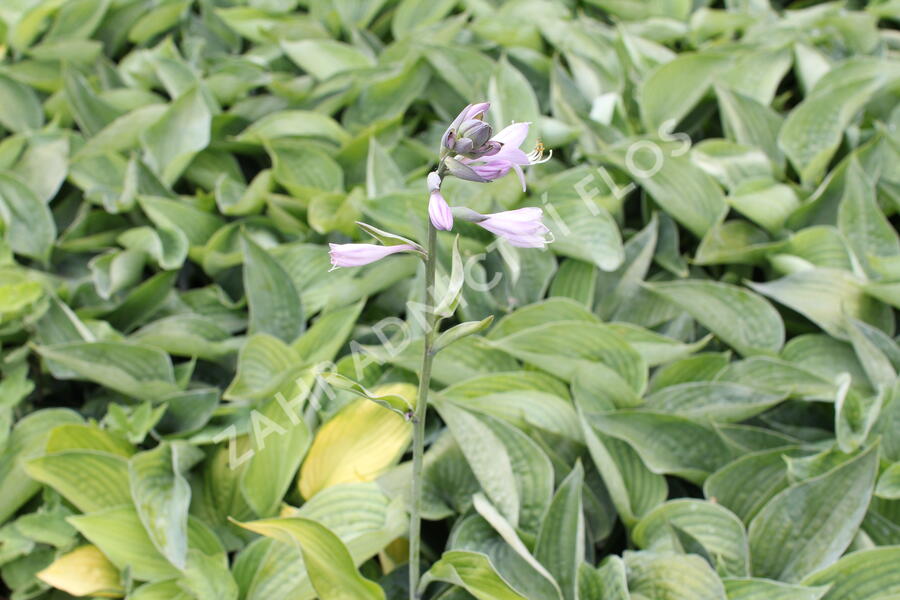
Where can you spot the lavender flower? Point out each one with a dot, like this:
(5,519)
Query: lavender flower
(521,227)
(510,156)
(356,255)
(438,209)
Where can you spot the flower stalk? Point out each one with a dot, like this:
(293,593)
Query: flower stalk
(418,420)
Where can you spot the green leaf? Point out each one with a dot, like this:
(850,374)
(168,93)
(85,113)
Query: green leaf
(325,58)
(725,402)
(686,192)
(412,15)
(560,545)
(749,122)
(138,371)
(672,577)
(162,496)
(328,562)
(22,109)
(395,402)
(745,485)
(687,79)
(860,220)
(263,365)
(513,471)
(91,480)
(889,483)
(719,531)
(183,130)
(274,302)
(512,99)
(667,444)
(860,575)
(460,331)
(766,589)
(121,537)
(810,524)
(27,441)
(633,487)
(560,348)
(744,320)
(472,571)
(828,297)
(812,131)
(29,225)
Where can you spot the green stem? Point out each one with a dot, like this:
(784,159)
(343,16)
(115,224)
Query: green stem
(415,518)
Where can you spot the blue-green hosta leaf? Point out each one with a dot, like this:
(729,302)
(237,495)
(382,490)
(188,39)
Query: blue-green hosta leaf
(719,531)
(540,313)
(861,221)
(687,79)
(560,541)
(528,572)
(280,438)
(744,320)
(812,131)
(633,487)
(870,573)
(138,371)
(682,189)
(325,58)
(294,123)
(561,347)
(751,123)
(172,142)
(889,483)
(766,589)
(22,110)
(29,226)
(162,496)
(672,576)
(272,298)
(668,444)
(472,571)
(264,363)
(512,469)
(778,376)
(718,401)
(828,297)
(810,524)
(745,485)
(525,409)
(700,367)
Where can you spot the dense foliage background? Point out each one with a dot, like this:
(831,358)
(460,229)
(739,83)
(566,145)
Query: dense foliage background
(691,395)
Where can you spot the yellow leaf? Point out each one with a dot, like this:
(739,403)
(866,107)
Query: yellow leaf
(358,444)
(84,571)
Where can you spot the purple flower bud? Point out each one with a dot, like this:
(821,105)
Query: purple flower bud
(469,135)
(355,255)
(521,227)
(439,212)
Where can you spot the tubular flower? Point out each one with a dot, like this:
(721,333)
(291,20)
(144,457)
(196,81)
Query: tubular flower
(356,255)
(438,209)
(510,156)
(521,227)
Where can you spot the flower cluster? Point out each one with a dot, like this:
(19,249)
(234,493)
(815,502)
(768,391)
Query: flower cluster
(470,151)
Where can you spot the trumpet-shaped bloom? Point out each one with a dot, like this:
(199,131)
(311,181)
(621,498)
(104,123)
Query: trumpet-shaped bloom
(356,255)
(438,209)
(509,156)
(521,227)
